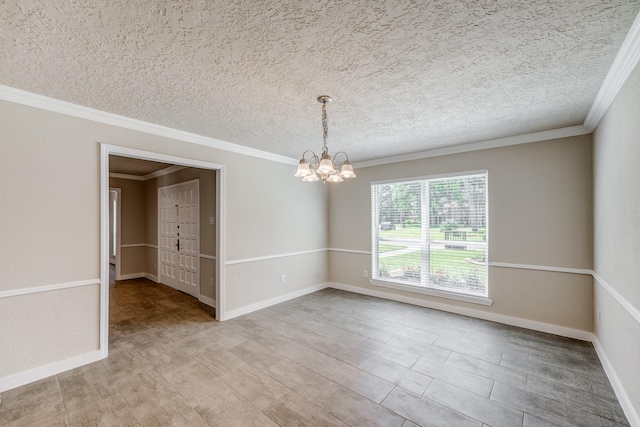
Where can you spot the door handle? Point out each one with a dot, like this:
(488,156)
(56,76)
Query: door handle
(178,244)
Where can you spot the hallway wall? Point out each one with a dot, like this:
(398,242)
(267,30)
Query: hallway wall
(133,213)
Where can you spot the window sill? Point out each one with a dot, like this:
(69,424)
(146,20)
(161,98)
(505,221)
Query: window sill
(473,299)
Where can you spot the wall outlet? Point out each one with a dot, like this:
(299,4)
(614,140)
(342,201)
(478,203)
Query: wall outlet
(212,220)
(283,278)
(365,273)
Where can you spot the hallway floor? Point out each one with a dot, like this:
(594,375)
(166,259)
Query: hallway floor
(331,358)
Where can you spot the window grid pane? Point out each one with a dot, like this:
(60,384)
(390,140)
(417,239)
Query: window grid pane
(432,233)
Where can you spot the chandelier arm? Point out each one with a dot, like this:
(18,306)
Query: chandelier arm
(340,152)
(313,160)
(308,151)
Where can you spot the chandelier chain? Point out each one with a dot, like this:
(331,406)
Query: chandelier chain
(325,124)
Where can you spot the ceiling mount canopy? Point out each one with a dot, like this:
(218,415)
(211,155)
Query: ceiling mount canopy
(325,165)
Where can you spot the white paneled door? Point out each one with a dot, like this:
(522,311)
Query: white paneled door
(179,236)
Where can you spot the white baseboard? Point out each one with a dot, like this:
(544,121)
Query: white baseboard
(131,276)
(26,377)
(494,317)
(208,301)
(621,394)
(151,277)
(277,300)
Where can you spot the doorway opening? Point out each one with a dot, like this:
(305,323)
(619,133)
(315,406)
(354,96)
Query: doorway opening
(131,225)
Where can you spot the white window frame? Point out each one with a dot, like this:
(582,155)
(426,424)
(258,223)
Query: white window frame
(423,288)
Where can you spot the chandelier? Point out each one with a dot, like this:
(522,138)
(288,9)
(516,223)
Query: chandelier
(324,165)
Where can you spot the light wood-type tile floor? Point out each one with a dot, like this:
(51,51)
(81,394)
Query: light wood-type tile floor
(331,358)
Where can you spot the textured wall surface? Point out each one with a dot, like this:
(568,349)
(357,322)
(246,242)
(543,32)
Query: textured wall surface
(408,76)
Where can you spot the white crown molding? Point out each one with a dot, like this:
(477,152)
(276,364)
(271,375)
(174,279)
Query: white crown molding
(23,97)
(156,174)
(480,145)
(625,62)
(163,172)
(48,288)
(19,96)
(155,157)
(125,176)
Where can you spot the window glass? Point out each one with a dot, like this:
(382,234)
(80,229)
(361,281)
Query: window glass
(432,233)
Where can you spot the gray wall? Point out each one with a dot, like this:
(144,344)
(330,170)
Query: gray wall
(132,227)
(51,211)
(540,213)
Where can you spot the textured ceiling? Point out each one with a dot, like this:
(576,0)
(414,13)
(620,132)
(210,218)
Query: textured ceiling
(406,75)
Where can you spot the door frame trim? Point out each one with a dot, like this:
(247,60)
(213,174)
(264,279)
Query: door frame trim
(105,151)
(167,187)
(118,240)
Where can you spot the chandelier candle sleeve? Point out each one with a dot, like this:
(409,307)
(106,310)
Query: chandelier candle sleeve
(325,165)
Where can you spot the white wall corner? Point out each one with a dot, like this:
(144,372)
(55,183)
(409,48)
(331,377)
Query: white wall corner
(479,145)
(621,394)
(41,372)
